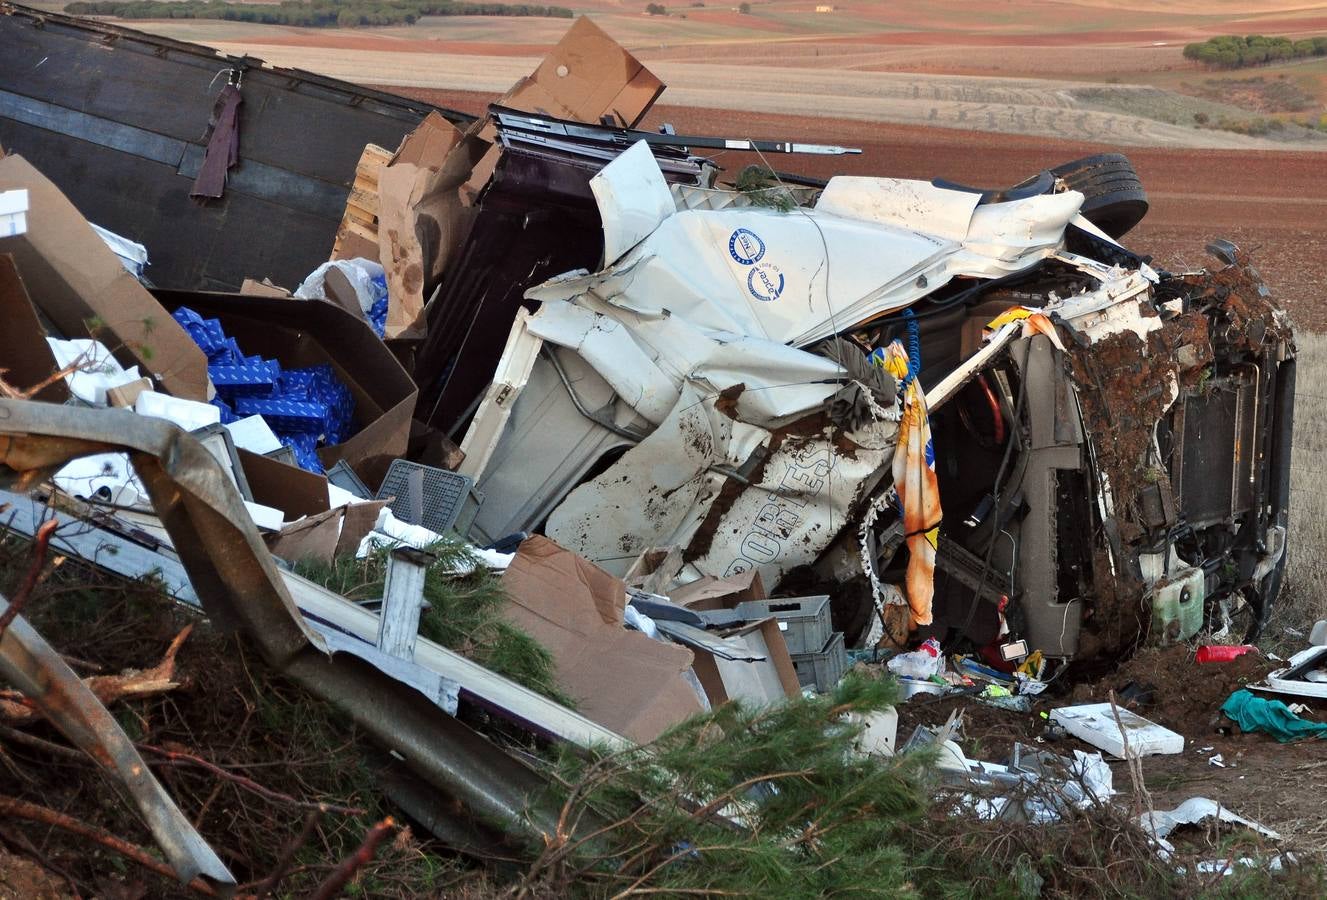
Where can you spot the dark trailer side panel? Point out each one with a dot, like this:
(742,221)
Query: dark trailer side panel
(117,119)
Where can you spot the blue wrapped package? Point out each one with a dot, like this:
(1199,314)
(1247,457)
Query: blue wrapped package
(304,407)
(245,379)
(285,415)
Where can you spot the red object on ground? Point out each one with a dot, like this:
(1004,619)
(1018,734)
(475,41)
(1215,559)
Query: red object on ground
(1223,652)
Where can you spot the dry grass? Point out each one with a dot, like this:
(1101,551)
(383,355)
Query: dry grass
(1302,600)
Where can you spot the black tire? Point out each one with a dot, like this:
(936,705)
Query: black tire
(1116,201)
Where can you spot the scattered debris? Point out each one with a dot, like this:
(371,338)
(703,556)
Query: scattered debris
(741,451)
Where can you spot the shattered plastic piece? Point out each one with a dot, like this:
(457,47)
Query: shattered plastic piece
(1160,823)
(103,478)
(132,254)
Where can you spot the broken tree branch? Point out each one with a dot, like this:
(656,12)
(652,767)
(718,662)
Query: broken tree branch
(268,885)
(15,709)
(248,784)
(331,886)
(21,809)
(39,546)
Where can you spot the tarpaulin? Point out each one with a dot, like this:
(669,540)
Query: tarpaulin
(919,501)
(1253,713)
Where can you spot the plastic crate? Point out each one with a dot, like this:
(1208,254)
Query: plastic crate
(822,670)
(424,495)
(804,621)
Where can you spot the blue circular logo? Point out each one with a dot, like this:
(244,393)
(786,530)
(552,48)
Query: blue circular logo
(746,247)
(765,282)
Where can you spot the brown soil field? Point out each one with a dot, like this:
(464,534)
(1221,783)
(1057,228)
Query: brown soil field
(1273,203)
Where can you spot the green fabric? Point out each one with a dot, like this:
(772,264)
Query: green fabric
(1253,713)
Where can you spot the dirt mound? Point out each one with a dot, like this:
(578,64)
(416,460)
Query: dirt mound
(1174,690)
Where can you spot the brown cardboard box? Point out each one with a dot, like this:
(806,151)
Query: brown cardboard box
(124,396)
(300,333)
(586,76)
(709,592)
(756,683)
(288,488)
(75,279)
(25,357)
(621,679)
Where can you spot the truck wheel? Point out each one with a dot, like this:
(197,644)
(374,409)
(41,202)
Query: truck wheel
(1116,201)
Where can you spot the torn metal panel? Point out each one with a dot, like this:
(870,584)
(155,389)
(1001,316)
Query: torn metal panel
(240,587)
(33,667)
(633,198)
(131,555)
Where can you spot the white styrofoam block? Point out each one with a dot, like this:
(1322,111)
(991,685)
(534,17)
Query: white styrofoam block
(97,371)
(1095,724)
(188,414)
(339,496)
(104,478)
(266,517)
(13,212)
(252,433)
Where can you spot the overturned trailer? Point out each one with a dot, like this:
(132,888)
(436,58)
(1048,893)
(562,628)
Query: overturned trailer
(1109,441)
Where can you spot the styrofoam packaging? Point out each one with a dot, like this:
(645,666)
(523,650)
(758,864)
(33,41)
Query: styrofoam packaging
(188,414)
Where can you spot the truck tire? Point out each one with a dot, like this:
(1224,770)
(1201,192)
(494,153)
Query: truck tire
(1116,201)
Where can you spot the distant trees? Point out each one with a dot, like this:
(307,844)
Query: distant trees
(656,9)
(1234,52)
(314,14)
(744,8)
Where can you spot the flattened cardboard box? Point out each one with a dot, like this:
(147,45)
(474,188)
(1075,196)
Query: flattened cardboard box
(74,278)
(621,679)
(300,333)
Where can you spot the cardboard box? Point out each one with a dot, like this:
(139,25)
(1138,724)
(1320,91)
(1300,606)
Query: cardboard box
(75,280)
(282,486)
(709,592)
(588,75)
(756,683)
(621,679)
(300,333)
(25,357)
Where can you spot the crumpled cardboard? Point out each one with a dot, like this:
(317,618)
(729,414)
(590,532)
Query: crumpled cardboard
(426,193)
(325,536)
(621,679)
(421,217)
(587,76)
(81,286)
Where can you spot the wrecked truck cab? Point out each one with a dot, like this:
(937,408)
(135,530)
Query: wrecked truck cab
(1121,475)
(1096,451)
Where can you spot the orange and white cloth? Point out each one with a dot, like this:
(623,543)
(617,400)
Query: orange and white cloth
(919,501)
